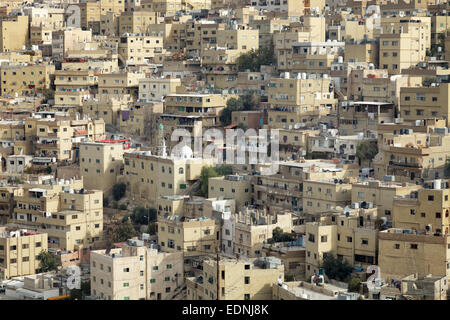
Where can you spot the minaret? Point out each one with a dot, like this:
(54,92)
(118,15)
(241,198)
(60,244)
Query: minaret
(162,150)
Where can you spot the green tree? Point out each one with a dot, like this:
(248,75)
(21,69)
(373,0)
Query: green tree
(47,261)
(224,170)
(48,170)
(279,236)
(354,284)
(48,94)
(254,59)
(123,206)
(246,102)
(143,215)
(152,228)
(367,150)
(125,232)
(119,190)
(79,294)
(336,268)
(447,168)
(206,173)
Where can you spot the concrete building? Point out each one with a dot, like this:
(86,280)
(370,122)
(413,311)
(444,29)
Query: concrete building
(251,279)
(19,249)
(404,251)
(135,272)
(13,33)
(71,215)
(152,176)
(155,89)
(352,236)
(193,237)
(101,164)
(254,227)
(17,163)
(234,187)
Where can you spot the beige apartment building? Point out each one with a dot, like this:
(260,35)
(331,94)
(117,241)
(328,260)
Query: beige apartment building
(71,215)
(100,164)
(19,250)
(118,84)
(424,209)
(363,51)
(315,57)
(325,195)
(313,29)
(404,42)
(162,7)
(219,59)
(139,118)
(136,21)
(254,227)
(419,103)
(364,117)
(412,156)
(151,176)
(7,194)
(352,236)
(193,237)
(56,138)
(13,33)
(298,99)
(155,89)
(234,187)
(90,16)
(249,279)
(105,107)
(381,194)
(195,113)
(73,87)
(135,272)
(138,50)
(284,191)
(403,252)
(25,79)
(69,39)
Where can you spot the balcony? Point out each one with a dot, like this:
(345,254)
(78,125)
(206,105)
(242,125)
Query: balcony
(405,165)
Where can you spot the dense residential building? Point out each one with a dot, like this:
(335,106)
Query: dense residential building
(19,250)
(239,279)
(135,272)
(115,150)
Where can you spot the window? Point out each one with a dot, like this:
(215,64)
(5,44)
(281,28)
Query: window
(414,246)
(247,280)
(397,246)
(430,198)
(323,238)
(126,269)
(247,267)
(126,284)
(349,239)
(438,215)
(169,266)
